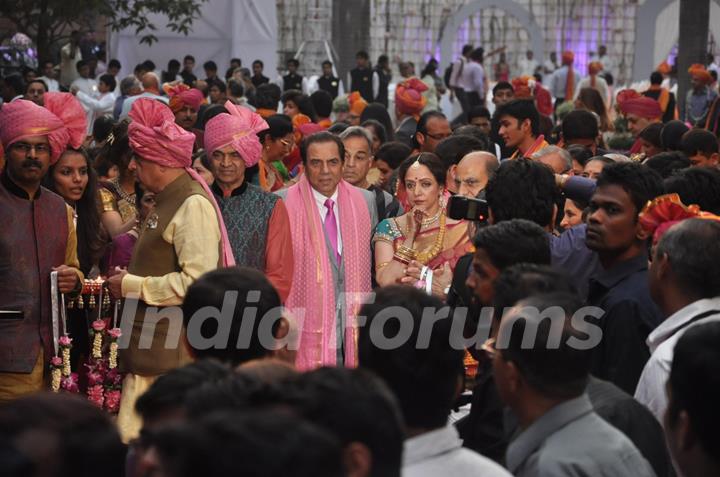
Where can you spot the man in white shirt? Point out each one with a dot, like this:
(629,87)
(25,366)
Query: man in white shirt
(608,63)
(472,79)
(684,282)
(84,83)
(425,372)
(528,65)
(70,54)
(100,106)
(48,69)
(551,64)
(456,73)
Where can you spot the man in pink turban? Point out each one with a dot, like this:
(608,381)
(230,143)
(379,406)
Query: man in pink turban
(180,241)
(38,238)
(185,103)
(640,112)
(257,221)
(409,103)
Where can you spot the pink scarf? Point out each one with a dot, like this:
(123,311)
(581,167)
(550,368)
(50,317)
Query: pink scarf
(313,292)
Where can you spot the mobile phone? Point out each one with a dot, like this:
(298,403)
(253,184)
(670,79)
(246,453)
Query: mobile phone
(467,208)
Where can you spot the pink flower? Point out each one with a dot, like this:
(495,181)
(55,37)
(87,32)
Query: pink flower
(70,384)
(112,401)
(56,361)
(95,395)
(98,325)
(65,341)
(95,378)
(115,333)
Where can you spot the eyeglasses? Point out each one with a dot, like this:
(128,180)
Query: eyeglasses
(26,148)
(289,143)
(438,137)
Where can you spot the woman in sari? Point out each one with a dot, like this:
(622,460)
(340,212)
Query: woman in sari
(421,247)
(278,140)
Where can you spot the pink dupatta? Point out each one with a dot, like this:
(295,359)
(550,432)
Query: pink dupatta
(312,296)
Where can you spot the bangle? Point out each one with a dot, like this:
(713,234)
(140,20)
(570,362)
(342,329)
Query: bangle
(401,259)
(406,252)
(382,265)
(428,283)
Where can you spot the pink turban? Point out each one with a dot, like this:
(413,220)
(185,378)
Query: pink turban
(409,98)
(67,107)
(21,119)
(642,106)
(238,129)
(181,95)
(155,137)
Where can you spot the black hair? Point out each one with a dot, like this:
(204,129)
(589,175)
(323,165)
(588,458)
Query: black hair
(102,127)
(90,243)
(382,59)
(267,96)
(258,62)
(327,62)
(236,60)
(696,185)
(475,132)
(139,67)
(522,189)
(378,128)
(429,160)
(293,61)
(16,82)
(256,298)
(522,280)
(109,80)
(694,383)
(665,163)
(338,127)
(168,392)
(36,80)
(452,149)
(322,103)
(478,112)
(302,101)
(118,151)
(521,109)
(424,378)
(467,49)
(502,85)
(579,124)
(393,153)
(693,250)
(514,241)
(236,88)
(210,66)
(82,437)
(430,68)
(699,141)
(579,153)
(379,112)
(173,64)
(671,135)
(149,65)
(219,84)
(80,63)
(321,137)
(639,181)
(207,113)
(279,126)
(362,54)
(651,134)
(477,54)
(248,444)
(422,123)
(656,78)
(189,57)
(355,406)
(557,372)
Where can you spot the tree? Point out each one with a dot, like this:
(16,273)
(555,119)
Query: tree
(692,44)
(50,21)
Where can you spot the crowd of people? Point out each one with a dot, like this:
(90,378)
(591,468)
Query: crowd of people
(311,281)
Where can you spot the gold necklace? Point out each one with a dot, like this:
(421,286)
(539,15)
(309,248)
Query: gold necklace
(430,220)
(430,253)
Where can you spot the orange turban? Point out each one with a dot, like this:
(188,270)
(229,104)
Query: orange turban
(667,210)
(568,57)
(699,72)
(408,96)
(664,68)
(357,103)
(521,87)
(595,67)
(181,95)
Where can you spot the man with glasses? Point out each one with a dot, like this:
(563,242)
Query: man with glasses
(38,237)
(257,221)
(432,128)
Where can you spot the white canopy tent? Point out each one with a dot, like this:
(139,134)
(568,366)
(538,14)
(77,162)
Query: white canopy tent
(246,29)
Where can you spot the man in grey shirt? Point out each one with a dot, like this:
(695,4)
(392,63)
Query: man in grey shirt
(544,386)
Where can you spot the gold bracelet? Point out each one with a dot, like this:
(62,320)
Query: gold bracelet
(382,265)
(406,251)
(399,258)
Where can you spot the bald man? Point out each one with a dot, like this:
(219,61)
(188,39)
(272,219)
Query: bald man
(151,86)
(472,173)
